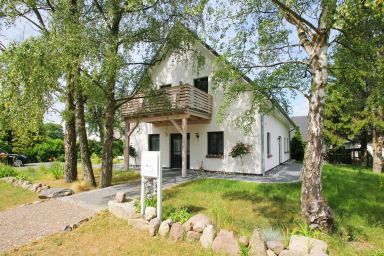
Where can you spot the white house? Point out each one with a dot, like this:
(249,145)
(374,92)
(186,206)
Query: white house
(187,128)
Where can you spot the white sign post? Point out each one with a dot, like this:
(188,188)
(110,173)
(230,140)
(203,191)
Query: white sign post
(150,168)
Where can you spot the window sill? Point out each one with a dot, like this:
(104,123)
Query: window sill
(214,156)
(269,156)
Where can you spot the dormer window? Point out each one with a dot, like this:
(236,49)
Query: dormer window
(201,83)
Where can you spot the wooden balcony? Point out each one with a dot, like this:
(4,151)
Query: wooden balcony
(171,103)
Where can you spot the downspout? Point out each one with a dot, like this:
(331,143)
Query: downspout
(262,144)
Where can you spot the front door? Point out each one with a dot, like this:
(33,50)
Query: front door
(176,143)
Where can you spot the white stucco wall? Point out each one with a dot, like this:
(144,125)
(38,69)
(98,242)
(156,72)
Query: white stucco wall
(178,69)
(277,126)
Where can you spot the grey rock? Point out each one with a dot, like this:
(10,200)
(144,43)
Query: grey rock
(257,244)
(243,240)
(271,253)
(208,236)
(36,186)
(286,253)
(139,224)
(164,229)
(226,243)
(154,225)
(55,192)
(67,228)
(301,245)
(150,213)
(203,219)
(123,210)
(193,236)
(275,246)
(177,232)
(199,226)
(120,197)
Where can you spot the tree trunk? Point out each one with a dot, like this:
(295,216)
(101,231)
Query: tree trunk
(83,139)
(107,154)
(314,208)
(70,165)
(377,150)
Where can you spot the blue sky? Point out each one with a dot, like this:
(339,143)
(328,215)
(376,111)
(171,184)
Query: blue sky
(23,30)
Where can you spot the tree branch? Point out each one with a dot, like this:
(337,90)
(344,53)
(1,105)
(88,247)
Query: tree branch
(275,64)
(101,11)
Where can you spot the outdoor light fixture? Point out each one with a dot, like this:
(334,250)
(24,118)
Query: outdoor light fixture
(197,135)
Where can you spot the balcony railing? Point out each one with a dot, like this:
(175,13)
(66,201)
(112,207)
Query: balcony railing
(170,100)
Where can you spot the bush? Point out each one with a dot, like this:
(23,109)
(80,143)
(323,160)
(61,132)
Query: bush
(95,159)
(48,150)
(297,146)
(149,202)
(57,170)
(95,147)
(118,148)
(338,155)
(7,171)
(180,215)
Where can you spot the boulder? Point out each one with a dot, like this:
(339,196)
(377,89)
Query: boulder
(154,225)
(177,232)
(150,213)
(301,245)
(193,236)
(257,244)
(164,228)
(198,226)
(226,243)
(243,240)
(286,253)
(271,253)
(36,186)
(67,229)
(275,246)
(139,224)
(317,253)
(203,219)
(120,197)
(123,210)
(55,192)
(208,236)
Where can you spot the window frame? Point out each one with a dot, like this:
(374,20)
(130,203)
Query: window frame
(217,153)
(269,155)
(150,145)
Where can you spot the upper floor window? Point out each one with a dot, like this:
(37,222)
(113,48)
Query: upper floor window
(215,144)
(154,142)
(165,86)
(201,83)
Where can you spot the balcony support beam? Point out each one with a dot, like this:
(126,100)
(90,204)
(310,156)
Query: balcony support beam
(184,148)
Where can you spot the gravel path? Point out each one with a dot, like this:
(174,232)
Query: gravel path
(29,222)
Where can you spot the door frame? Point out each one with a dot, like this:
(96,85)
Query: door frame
(172,135)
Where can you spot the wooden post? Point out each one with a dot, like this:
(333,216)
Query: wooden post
(184,148)
(126,145)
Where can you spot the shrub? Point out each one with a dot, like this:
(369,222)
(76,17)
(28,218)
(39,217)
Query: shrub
(297,146)
(240,150)
(180,215)
(95,159)
(338,155)
(132,151)
(7,171)
(57,170)
(118,148)
(149,202)
(271,234)
(48,150)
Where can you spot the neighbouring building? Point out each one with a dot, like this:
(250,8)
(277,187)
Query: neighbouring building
(186,131)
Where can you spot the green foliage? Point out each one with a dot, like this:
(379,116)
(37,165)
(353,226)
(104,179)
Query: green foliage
(53,131)
(95,159)
(118,148)
(48,150)
(7,171)
(95,147)
(149,202)
(240,149)
(132,151)
(297,146)
(56,170)
(338,155)
(180,215)
(304,230)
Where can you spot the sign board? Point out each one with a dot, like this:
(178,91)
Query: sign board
(150,168)
(150,164)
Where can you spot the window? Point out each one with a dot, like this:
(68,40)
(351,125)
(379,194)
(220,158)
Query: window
(165,86)
(201,83)
(269,144)
(154,142)
(215,144)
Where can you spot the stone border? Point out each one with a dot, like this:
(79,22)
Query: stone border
(25,184)
(199,228)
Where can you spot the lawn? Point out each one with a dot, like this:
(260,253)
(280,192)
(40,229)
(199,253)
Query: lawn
(12,196)
(356,196)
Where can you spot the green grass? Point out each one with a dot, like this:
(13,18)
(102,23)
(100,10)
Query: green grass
(356,196)
(14,196)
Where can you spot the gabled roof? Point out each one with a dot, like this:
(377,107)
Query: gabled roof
(302,123)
